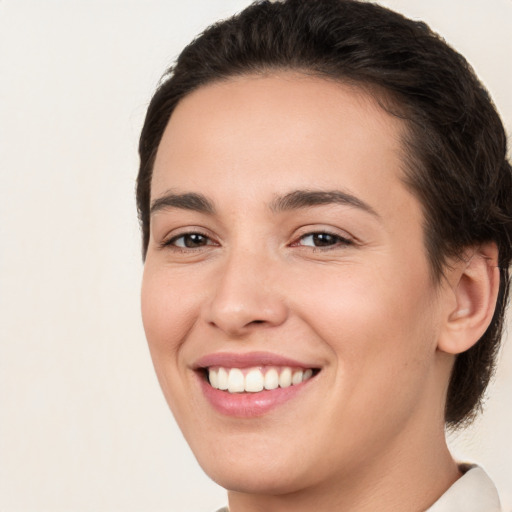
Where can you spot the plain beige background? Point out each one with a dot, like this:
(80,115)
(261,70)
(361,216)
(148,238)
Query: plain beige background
(83,426)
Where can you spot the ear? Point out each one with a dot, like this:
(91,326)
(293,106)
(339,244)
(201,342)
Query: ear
(474,281)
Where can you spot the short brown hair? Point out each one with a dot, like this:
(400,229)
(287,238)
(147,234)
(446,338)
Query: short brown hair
(455,151)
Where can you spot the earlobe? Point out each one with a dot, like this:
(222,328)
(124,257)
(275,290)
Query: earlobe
(475,284)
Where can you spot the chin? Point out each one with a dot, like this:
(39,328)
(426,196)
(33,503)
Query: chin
(255,474)
(255,480)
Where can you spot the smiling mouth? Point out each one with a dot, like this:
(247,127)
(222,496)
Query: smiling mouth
(256,379)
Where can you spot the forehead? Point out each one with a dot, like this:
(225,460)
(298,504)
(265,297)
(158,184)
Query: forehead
(285,130)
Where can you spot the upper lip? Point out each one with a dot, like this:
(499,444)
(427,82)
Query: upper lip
(248,360)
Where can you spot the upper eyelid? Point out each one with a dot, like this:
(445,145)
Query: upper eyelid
(183,235)
(333,231)
(326,232)
(341,238)
(169,239)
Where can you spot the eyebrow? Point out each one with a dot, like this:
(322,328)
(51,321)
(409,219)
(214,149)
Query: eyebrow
(299,199)
(296,200)
(187,201)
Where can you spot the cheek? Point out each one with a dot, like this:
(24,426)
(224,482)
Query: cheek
(167,309)
(356,301)
(377,324)
(167,315)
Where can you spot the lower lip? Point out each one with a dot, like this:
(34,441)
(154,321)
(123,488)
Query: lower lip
(249,405)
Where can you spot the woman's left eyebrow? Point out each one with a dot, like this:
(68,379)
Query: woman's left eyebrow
(306,198)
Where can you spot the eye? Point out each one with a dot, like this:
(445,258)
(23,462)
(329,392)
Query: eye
(322,239)
(189,241)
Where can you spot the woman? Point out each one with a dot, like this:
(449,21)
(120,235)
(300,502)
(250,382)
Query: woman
(326,211)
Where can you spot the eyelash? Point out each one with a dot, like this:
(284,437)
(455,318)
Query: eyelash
(339,241)
(171,242)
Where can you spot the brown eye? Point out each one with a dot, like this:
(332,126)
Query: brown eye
(323,240)
(190,241)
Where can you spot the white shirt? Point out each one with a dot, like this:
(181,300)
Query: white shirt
(472,492)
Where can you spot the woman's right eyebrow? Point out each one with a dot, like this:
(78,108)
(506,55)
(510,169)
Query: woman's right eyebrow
(186,201)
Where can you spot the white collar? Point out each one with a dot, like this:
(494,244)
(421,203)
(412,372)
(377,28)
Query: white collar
(472,492)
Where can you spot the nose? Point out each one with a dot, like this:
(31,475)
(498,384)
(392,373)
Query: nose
(246,296)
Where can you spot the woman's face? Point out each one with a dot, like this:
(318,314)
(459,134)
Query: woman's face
(284,241)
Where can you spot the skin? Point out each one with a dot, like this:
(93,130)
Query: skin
(368,431)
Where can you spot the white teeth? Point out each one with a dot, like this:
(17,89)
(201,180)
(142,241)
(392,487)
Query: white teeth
(254,380)
(236,382)
(297,377)
(285,379)
(222,379)
(307,375)
(213,378)
(271,379)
